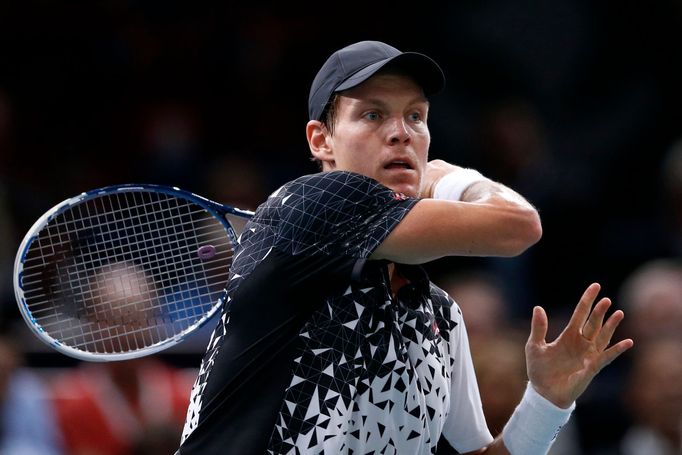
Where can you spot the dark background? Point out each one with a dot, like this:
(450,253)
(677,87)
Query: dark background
(573,103)
(94,93)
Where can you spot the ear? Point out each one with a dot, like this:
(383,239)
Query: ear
(319,142)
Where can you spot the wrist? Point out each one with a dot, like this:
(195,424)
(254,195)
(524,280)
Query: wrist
(535,424)
(546,395)
(451,186)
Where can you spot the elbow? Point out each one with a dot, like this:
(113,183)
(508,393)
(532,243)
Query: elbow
(534,229)
(526,233)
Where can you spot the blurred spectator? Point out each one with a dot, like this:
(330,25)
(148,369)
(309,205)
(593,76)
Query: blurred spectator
(119,407)
(500,366)
(481,299)
(27,425)
(654,398)
(651,297)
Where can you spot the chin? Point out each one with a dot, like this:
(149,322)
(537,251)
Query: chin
(406,182)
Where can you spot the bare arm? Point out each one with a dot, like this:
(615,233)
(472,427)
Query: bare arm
(489,220)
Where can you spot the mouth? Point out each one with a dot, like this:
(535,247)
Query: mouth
(399,164)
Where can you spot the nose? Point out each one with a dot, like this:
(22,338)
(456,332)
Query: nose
(399,132)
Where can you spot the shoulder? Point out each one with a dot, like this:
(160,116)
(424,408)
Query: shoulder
(329,197)
(331,184)
(337,211)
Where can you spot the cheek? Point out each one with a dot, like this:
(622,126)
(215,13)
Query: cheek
(421,134)
(422,144)
(349,156)
(426,138)
(351,146)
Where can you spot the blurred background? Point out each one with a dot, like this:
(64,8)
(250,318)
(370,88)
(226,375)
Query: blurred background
(573,103)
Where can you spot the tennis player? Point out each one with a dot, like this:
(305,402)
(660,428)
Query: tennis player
(332,339)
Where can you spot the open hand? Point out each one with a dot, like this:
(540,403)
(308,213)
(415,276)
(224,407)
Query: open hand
(561,370)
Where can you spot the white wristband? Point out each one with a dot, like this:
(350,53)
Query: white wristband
(534,425)
(452,185)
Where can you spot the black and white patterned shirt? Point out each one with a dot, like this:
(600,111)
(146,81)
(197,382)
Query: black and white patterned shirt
(313,353)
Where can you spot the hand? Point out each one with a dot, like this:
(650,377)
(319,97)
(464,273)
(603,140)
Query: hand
(435,170)
(561,370)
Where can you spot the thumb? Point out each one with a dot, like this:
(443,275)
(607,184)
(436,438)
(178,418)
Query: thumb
(538,326)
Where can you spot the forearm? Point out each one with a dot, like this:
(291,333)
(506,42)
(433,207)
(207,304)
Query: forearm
(454,183)
(515,220)
(464,215)
(446,181)
(495,193)
(434,229)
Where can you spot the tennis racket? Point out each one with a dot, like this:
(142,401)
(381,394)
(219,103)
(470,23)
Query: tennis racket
(125,271)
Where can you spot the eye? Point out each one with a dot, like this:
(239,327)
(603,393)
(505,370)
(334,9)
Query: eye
(372,115)
(415,117)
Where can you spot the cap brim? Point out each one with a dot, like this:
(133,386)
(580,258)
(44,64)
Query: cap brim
(420,67)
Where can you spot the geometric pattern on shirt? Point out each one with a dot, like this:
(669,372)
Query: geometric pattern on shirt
(373,376)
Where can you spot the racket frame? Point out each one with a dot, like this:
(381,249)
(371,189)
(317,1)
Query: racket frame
(219,211)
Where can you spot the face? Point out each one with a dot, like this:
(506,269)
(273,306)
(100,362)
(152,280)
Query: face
(381,132)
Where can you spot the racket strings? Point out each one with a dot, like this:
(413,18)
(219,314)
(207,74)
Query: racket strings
(181,259)
(124,271)
(122,303)
(48,239)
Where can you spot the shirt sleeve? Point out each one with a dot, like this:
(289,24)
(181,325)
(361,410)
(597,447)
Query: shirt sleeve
(465,428)
(336,213)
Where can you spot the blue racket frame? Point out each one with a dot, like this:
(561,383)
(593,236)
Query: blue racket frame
(219,212)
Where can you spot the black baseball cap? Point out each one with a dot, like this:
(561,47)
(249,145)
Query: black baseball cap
(354,64)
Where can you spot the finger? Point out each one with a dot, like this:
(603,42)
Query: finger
(614,351)
(582,310)
(538,326)
(594,323)
(609,329)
